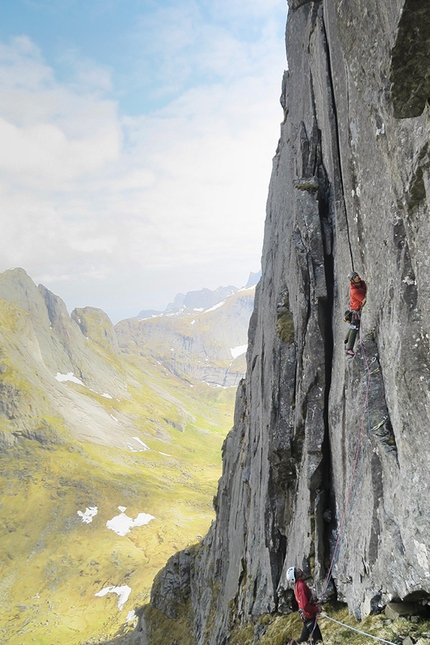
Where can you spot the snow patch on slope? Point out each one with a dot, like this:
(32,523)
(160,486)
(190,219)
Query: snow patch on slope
(122,524)
(238,351)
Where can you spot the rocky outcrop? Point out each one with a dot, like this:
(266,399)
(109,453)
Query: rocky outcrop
(325,452)
(95,324)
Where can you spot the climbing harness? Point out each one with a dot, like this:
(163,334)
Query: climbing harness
(359,631)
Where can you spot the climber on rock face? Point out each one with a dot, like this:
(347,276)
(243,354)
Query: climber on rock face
(308,609)
(357,300)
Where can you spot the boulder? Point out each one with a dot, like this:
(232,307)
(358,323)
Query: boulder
(395,610)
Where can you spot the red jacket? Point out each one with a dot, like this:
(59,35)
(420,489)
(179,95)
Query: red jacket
(304,599)
(357,293)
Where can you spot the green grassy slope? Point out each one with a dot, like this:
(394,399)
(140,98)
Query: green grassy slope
(70,446)
(53,563)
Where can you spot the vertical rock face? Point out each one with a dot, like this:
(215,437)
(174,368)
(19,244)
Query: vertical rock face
(326,455)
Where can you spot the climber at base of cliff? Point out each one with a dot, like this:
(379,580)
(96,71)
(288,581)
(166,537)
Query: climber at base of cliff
(308,609)
(357,300)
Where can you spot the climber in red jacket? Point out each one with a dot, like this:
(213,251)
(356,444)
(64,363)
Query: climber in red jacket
(308,609)
(357,300)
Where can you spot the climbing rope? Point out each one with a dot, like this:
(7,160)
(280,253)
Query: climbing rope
(352,491)
(353,488)
(359,631)
(356,471)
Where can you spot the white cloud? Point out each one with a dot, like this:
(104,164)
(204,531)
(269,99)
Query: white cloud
(22,66)
(95,244)
(87,76)
(118,202)
(43,157)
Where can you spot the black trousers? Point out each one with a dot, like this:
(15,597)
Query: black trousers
(354,327)
(310,628)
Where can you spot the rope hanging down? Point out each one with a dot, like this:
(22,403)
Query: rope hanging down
(376,638)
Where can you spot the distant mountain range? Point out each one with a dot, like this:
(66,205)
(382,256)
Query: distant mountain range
(206,344)
(201,334)
(201,299)
(94,418)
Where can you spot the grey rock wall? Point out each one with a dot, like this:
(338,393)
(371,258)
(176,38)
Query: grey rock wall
(384,160)
(325,451)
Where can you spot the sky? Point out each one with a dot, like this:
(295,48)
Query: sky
(137,139)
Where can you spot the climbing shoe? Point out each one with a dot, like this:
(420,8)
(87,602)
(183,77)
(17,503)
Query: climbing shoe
(350,352)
